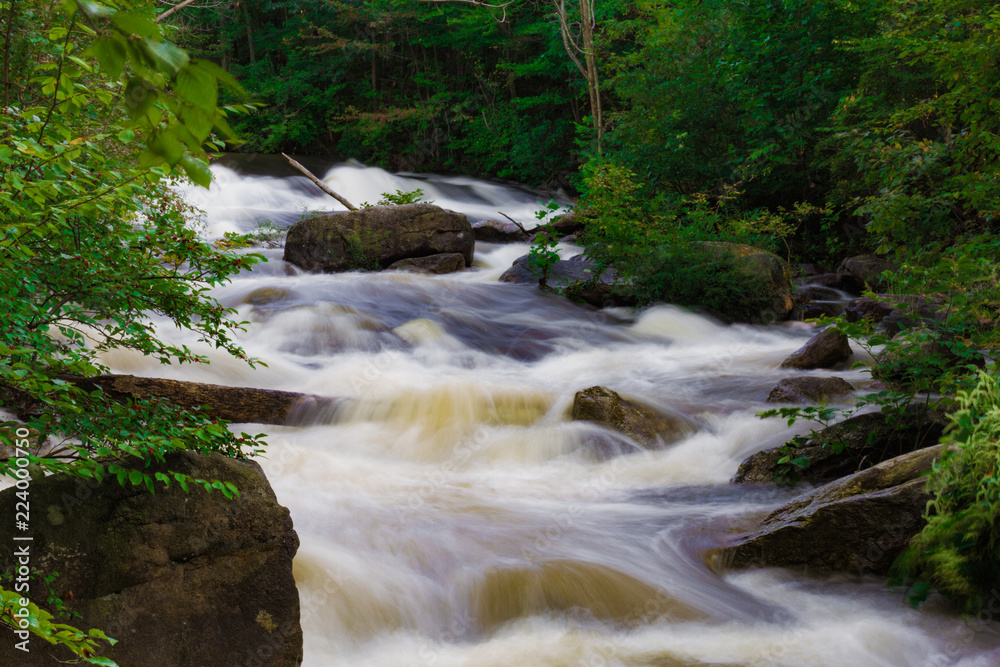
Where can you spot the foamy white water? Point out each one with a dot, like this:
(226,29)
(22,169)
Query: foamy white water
(452,514)
(237,202)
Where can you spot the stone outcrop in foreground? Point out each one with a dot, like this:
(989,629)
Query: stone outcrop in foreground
(179,579)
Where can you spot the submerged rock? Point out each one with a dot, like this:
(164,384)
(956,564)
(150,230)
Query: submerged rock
(650,427)
(263,296)
(497,231)
(574,278)
(446,262)
(179,579)
(857,524)
(824,350)
(375,237)
(809,389)
(854,444)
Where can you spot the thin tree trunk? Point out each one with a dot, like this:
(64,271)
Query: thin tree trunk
(593,80)
(246,13)
(11,16)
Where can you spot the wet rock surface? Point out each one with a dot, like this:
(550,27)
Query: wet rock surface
(179,579)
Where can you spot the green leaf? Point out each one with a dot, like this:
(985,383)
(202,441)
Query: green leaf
(166,145)
(135,23)
(110,55)
(198,86)
(197,170)
(168,58)
(140,95)
(135,477)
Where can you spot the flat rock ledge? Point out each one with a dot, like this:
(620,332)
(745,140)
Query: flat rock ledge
(858,524)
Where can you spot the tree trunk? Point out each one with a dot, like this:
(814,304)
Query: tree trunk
(246,14)
(11,17)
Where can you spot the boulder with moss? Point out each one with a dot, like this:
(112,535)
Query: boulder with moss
(642,423)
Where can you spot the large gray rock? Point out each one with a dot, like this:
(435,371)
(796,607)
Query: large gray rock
(377,236)
(857,524)
(645,425)
(824,350)
(809,389)
(179,579)
(854,444)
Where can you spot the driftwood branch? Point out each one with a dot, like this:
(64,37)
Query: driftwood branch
(175,8)
(322,186)
(235,404)
(480,3)
(519,225)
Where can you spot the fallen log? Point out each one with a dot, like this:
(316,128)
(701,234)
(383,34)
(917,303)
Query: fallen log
(235,404)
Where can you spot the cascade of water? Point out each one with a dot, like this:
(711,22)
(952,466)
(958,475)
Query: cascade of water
(453,514)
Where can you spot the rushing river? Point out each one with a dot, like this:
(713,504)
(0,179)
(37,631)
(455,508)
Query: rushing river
(452,514)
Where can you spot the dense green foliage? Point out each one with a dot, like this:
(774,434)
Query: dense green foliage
(95,245)
(405,84)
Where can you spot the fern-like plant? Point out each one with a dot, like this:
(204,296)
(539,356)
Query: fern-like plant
(958,551)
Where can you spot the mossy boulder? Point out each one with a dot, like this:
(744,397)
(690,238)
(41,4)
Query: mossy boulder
(179,579)
(373,238)
(764,271)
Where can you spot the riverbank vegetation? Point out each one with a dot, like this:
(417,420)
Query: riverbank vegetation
(815,130)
